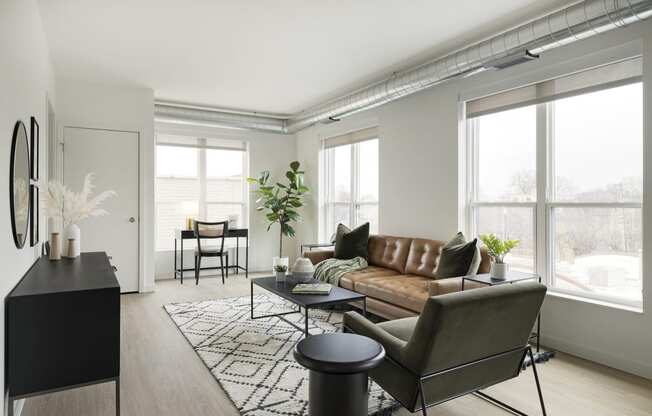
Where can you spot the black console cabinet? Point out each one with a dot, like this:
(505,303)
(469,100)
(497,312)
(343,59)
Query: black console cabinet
(62,327)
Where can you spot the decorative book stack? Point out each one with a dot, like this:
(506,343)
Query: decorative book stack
(312,289)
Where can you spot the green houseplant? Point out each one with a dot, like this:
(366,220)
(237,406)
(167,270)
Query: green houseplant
(281,271)
(498,249)
(279,202)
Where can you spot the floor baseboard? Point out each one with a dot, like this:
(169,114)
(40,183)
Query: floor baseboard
(618,362)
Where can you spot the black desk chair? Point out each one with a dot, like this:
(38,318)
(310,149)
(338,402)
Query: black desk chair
(214,231)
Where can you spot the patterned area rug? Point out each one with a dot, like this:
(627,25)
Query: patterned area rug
(252,359)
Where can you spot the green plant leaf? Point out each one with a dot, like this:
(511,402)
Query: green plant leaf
(295,165)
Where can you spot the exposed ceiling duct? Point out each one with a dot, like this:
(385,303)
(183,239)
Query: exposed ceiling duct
(182,114)
(514,46)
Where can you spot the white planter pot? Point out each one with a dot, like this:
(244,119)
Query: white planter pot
(499,270)
(71,232)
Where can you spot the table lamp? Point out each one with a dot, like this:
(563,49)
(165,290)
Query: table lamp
(189,209)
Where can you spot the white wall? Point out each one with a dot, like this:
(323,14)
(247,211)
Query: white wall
(124,108)
(26,79)
(267,151)
(419,192)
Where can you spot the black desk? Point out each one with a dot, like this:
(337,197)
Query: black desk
(236,233)
(62,328)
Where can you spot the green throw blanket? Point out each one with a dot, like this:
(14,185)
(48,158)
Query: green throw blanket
(331,270)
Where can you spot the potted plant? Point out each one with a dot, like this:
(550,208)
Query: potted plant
(281,271)
(279,202)
(498,249)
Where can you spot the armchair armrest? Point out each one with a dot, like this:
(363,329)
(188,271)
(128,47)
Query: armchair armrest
(318,256)
(360,325)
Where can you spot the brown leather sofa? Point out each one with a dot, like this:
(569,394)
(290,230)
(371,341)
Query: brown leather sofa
(400,276)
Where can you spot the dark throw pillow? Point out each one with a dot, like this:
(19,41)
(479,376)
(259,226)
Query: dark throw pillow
(351,243)
(458,258)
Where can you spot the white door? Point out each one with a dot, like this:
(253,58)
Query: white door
(112,156)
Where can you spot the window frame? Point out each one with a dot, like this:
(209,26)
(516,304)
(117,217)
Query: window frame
(544,205)
(203,179)
(326,181)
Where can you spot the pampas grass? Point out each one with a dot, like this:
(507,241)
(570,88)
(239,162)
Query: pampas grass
(71,207)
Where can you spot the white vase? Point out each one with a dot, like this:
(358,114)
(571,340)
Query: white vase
(71,232)
(499,271)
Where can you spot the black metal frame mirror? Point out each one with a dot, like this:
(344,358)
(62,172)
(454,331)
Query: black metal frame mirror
(19,181)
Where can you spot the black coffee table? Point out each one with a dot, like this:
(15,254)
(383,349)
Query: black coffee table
(284,290)
(338,365)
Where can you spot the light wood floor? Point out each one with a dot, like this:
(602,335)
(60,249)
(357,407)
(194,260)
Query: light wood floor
(161,374)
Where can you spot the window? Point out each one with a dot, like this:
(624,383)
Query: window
(505,196)
(199,178)
(576,205)
(349,182)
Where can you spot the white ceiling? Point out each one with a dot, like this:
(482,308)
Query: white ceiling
(270,56)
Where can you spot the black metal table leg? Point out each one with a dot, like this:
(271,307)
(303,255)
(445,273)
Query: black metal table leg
(181,259)
(237,255)
(538,332)
(306,334)
(251,292)
(175,257)
(247,258)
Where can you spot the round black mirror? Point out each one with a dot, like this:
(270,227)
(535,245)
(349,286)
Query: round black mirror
(19,175)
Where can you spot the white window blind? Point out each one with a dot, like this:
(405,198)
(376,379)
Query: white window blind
(351,138)
(198,177)
(607,76)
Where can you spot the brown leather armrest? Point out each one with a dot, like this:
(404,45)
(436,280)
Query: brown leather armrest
(317,256)
(452,284)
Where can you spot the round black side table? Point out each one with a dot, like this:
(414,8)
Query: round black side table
(338,365)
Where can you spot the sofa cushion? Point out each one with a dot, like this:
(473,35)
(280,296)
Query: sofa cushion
(423,257)
(458,258)
(389,252)
(451,285)
(407,291)
(348,280)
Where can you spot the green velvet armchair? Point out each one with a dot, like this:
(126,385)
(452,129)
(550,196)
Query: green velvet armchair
(461,343)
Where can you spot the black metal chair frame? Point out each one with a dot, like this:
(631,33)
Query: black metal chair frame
(221,253)
(527,351)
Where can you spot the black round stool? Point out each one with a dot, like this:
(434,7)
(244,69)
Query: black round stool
(338,365)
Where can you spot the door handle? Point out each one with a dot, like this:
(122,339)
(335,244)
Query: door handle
(132,219)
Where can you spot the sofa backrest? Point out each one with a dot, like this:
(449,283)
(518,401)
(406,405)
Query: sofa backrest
(418,256)
(389,252)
